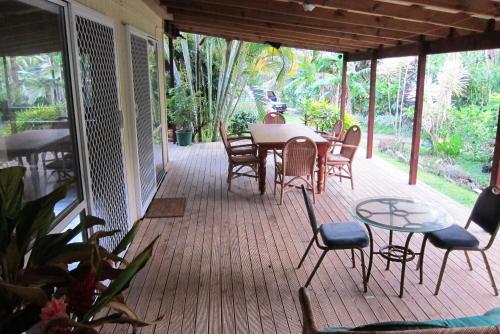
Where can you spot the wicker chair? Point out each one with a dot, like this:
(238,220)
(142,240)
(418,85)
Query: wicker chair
(309,325)
(336,134)
(239,157)
(298,160)
(274,118)
(340,164)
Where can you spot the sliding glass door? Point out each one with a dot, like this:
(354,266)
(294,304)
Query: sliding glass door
(37,116)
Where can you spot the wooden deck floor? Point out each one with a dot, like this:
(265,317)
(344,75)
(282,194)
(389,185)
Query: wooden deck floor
(228,266)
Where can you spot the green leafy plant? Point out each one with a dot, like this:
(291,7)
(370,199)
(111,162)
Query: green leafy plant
(38,288)
(241,120)
(181,104)
(450,145)
(322,115)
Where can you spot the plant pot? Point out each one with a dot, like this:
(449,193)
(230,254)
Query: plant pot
(184,138)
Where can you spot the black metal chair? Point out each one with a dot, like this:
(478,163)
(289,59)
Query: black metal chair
(342,235)
(485,214)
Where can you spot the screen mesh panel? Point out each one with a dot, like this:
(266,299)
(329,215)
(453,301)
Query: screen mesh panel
(99,92)
(142,96)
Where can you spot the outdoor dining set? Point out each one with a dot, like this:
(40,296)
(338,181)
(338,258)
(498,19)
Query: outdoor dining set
(304,158)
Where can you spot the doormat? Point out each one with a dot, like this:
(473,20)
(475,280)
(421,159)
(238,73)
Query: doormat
(167,207)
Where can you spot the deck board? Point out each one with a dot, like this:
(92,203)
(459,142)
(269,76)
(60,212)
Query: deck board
(229,265)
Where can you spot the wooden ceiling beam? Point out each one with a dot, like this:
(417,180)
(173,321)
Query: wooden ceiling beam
(258,26)
(481,8)
(300,24)
(401,11)
(484,41)
(249,37)
(242,28)
(267,36)
(284,12)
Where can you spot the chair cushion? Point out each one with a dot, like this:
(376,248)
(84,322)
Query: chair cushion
(244,159)
(343,235)
(336,158)
(243,150)
(489,319)
(453,236)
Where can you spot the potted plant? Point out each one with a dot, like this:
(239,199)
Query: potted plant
(49,284)
(182,104)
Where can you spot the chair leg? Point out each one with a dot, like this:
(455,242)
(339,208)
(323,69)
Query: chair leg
(275,179)
(282,188)
(313,191)
(350,175)
(420,263)
(305,254)
(363,271)
(468,260)
(229,176)
(353,258)
(316,267)
(441,273)
(495,290)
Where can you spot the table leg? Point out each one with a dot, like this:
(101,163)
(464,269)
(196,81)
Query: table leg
(322,151)
(403,268)
(370,259)
(35,177)
(390,244)
(262,169)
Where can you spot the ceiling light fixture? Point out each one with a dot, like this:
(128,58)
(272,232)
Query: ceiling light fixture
(308,7)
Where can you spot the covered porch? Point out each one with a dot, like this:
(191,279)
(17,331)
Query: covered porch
(229,265)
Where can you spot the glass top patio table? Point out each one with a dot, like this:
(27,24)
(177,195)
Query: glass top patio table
(398,215)
(401,214)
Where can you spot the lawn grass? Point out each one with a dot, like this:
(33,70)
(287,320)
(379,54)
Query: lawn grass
(463,196)
(292,118)
(474,169)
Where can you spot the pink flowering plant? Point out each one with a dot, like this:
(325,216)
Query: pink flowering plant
(39,288)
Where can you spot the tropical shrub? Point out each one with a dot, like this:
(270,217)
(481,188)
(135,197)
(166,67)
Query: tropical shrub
(322,115)
(241,120)
(51,283)
(449,145)
(477,127)
(181,105)
(25,118)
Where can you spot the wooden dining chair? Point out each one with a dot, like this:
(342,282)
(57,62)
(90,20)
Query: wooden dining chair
(485,214)
(298,160)
(240,157)
(274,118)
(336,134)
(335,236)
(340,164)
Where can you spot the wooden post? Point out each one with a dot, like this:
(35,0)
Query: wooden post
(371,106)
(343,96)
(171,61)
(495,170)
(417,118)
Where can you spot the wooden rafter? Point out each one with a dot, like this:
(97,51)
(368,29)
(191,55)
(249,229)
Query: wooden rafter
(189,24)
(277,28)
(285,12)
(204,11)
(415,13)
(262,38)
(249,37)
(481,8)
(488,40)
(392,28)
